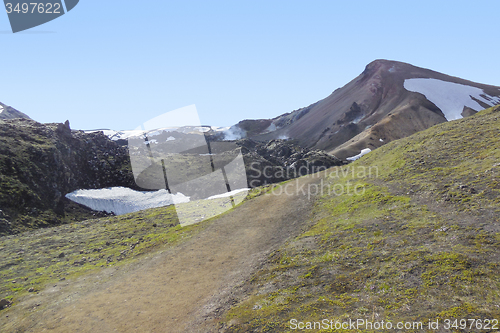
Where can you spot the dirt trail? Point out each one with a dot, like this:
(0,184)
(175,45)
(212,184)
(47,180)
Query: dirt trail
(183,288)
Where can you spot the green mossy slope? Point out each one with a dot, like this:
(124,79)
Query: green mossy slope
(419,241)
(32,260)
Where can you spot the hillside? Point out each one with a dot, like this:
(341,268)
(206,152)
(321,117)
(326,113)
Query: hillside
(41,163)
(389,100)
(420,242)
(141,269)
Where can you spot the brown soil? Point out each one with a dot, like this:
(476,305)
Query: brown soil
(183,289)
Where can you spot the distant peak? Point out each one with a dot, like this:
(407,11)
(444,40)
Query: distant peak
(387,62)
(7,112)
(378,65)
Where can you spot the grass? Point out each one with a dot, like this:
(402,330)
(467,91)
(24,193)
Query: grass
(36,259)
(33,260)
(419,242)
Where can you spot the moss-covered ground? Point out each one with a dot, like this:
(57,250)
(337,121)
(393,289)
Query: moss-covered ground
(419,240)
(31,261)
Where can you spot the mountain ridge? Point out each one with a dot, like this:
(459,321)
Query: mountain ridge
(8,112)
(375,97)
(40,163)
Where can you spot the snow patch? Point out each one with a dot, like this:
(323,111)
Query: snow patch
(380,140)
(118,135)
(202,129)
(361,154)
(449,97)
(228,194)
(127,134)
(358,119)
(1,109)
(234,133)
(123,200)
(153,133)
(230,133)
(271,128)
(220,129)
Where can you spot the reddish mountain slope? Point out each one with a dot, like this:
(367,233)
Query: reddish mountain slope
(377,107)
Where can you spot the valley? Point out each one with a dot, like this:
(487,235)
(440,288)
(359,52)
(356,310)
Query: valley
(183,281)
(379,202)
(424,227)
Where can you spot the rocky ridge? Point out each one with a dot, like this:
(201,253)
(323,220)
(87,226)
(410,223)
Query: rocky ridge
(280,160)
(41,163)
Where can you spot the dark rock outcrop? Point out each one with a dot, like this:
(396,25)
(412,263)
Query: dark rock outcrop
(41,163)
(280,160)
(4,303)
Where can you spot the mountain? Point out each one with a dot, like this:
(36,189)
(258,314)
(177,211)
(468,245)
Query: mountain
(389,100)
(41,163)
(7,112)
(190,161)
(418,240)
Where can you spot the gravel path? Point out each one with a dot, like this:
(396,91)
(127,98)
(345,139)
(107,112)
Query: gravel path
(183,289)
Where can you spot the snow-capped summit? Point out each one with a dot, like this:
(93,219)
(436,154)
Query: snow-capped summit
(389,100)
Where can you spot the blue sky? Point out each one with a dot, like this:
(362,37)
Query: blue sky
(116,64)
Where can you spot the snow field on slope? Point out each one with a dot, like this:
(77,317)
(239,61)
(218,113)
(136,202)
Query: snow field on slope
(361,154)
(127,134)
(228,194)
(450,97)
(123,200)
